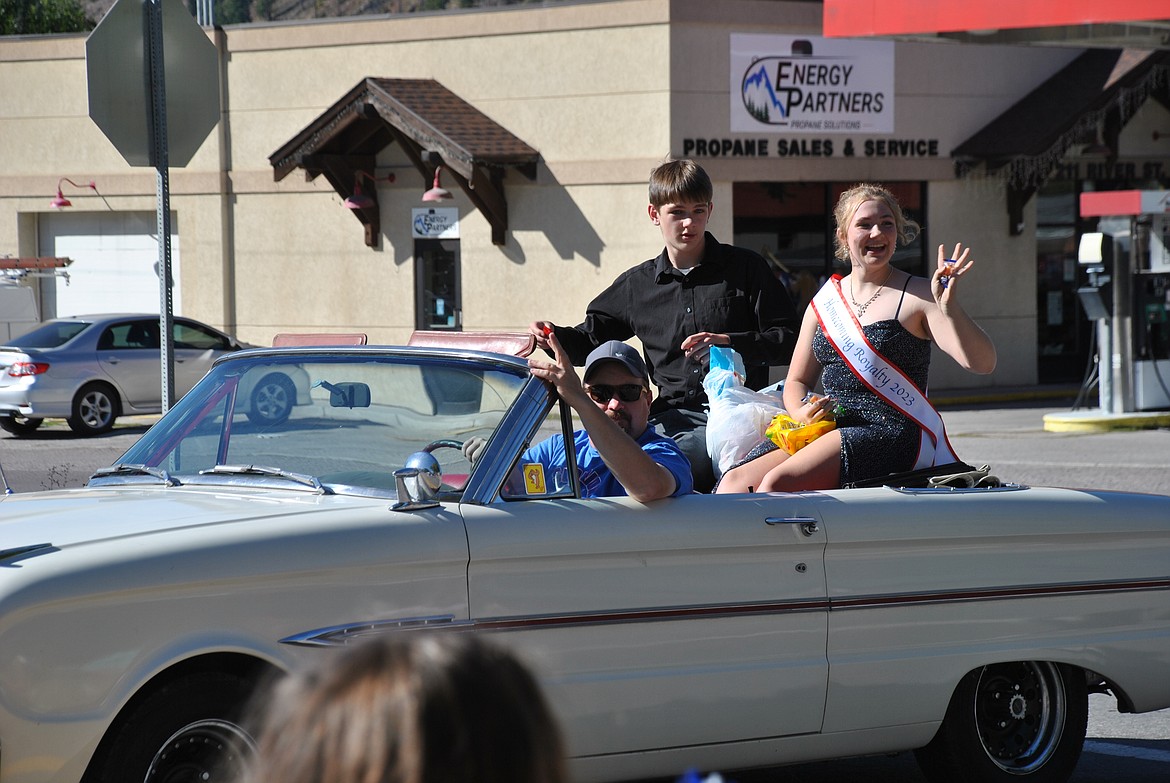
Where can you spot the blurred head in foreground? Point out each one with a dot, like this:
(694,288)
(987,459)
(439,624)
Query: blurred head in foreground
(416,708)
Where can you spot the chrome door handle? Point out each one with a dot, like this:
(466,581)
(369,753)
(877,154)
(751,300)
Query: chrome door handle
(808,525)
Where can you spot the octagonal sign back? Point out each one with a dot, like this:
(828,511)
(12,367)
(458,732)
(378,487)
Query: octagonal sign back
(118,72)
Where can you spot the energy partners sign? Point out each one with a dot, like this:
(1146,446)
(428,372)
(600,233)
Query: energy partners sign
(793,84)
(434,223)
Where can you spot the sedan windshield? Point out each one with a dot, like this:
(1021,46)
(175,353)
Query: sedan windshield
(350,422)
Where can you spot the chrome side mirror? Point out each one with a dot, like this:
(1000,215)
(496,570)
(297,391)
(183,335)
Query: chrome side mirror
(421,474)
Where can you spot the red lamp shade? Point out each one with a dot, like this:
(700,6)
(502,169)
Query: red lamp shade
(437,191)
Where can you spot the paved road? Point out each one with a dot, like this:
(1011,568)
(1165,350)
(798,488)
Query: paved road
(1011,439)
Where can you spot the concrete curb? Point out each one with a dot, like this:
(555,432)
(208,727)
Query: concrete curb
(1097,421)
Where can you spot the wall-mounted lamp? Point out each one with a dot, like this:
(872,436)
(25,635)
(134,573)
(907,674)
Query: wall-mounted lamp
(437,191)
(60,200)
(360,200)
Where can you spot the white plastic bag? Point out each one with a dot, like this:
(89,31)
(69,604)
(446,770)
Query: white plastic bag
(736,416)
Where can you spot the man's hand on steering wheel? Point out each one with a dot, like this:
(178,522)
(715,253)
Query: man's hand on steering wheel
(473,448)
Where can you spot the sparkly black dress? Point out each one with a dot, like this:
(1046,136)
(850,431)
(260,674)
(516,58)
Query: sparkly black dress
(876,439)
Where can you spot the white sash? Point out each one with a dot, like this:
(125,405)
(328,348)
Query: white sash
(883,378)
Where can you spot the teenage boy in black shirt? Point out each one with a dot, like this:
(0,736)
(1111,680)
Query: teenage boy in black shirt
(695,294)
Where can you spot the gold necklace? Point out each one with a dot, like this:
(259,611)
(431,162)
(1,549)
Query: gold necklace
(861,308)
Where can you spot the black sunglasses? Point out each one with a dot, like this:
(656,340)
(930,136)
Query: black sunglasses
(626,392)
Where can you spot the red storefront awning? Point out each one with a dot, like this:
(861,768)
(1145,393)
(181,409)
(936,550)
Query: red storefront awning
(857,18)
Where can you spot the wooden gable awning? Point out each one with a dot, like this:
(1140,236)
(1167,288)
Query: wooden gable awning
(433,125)
(1086,102)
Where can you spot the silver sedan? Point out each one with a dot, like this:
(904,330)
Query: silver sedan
(92,369)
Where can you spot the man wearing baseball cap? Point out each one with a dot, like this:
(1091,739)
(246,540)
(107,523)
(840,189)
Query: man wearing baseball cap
(617,452)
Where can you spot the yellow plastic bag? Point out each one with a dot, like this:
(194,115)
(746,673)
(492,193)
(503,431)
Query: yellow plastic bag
(792,436)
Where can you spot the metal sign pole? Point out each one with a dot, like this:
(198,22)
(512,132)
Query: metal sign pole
(158,116)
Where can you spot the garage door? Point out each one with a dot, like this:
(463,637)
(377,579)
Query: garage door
(114,259)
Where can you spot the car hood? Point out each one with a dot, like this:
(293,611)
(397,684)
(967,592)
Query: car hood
(67,517)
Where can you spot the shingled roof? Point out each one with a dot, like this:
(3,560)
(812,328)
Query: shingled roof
(433,125)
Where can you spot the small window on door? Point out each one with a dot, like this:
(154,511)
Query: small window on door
(542,470)
(438,300)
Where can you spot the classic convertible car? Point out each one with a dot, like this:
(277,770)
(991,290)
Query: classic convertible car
(718,632)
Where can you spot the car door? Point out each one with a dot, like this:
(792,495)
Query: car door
(128,352)
(681,622)
(195,347)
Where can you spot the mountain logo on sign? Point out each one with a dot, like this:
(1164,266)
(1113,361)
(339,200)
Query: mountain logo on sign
(759,97)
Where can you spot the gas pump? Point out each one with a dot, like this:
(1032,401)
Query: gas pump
(1130,256)
(1151,307)
(1096,255)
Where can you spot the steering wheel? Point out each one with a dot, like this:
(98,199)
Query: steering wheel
(434,445)
(443,443)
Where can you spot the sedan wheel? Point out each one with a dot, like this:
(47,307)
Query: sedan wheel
(19,426)
(272,399)
(94,409)
(1021,721)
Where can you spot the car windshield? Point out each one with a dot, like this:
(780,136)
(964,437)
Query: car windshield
(50,334)
(356,418)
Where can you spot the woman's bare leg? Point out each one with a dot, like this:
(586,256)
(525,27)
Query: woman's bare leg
(816,466)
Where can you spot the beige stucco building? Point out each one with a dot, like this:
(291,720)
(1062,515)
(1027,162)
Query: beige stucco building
(602,91)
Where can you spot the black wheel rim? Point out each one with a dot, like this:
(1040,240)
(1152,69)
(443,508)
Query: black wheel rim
(201,752)
(1020,712)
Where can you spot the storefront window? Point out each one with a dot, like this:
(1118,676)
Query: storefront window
(791,225)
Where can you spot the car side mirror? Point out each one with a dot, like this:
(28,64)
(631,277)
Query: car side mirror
(422,472)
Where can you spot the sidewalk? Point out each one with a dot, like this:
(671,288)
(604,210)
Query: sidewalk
(1084,419)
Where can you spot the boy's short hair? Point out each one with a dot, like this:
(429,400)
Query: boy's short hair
(679,182)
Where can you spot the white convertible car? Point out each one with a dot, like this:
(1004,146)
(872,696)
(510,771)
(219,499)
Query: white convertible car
(716,632)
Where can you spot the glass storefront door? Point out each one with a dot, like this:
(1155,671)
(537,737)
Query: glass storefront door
(438,299)
(1063,332)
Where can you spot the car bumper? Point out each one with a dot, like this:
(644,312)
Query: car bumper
(20,400)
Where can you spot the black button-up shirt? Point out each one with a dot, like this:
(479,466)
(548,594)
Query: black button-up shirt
(732,291)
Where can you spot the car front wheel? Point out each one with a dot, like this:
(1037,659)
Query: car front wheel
(188,731)
(272,399)
(95,407)
(19,426)
(1011,722)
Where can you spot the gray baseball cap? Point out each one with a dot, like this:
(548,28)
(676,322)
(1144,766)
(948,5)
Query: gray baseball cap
(617,351)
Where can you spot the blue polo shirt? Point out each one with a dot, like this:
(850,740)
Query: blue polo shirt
(597,480)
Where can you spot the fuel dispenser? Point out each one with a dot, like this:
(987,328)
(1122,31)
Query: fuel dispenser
(1128,262)
(1151,341)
